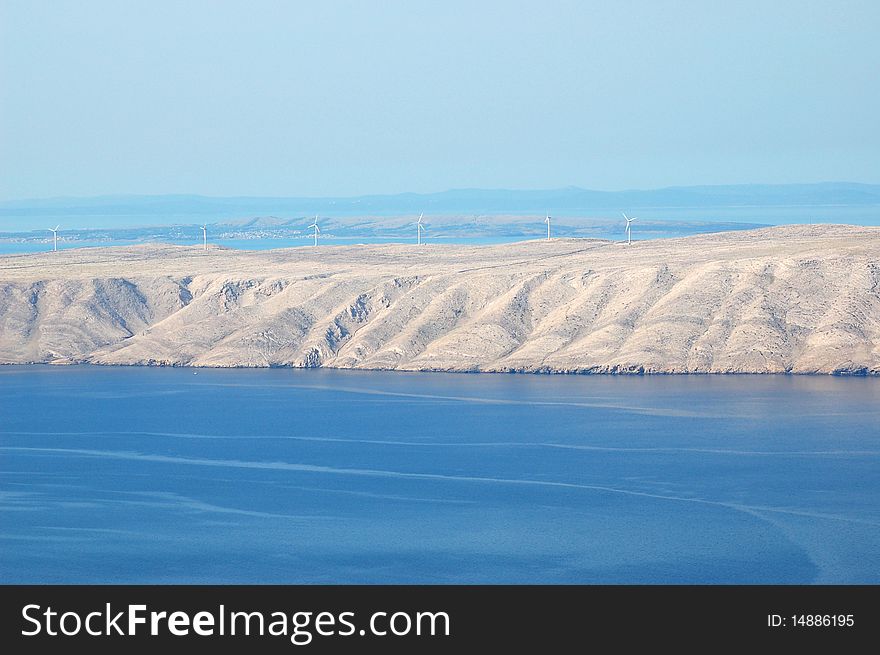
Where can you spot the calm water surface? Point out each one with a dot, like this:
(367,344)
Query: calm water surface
(173,475)
(705,216)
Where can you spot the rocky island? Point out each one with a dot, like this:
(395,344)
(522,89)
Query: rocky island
(793,299)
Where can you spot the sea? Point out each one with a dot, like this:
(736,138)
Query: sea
(183,475)
(656,222)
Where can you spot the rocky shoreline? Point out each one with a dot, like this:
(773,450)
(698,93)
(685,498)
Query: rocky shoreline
(786,300)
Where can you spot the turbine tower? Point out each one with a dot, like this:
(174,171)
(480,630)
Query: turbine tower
(205,235)
(317,229)
(54,232)
(419,228)
(547,221)
(628,229)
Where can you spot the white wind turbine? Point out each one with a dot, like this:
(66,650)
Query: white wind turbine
(317,229)
(419,228)
(205,235)
(547,221)
(54,232)
(628,229)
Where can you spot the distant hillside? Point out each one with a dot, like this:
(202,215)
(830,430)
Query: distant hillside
(460,200)
(795,299)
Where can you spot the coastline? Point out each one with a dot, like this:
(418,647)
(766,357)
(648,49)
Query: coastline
(861,373)
(793,300)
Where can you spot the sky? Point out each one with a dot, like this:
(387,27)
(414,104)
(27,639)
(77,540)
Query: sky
(337,98)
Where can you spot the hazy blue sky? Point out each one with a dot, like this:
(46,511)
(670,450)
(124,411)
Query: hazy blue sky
(342,98)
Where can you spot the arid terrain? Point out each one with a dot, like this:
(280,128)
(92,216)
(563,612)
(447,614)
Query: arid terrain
(799,299)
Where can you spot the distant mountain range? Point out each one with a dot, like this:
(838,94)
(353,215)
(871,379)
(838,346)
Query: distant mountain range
(464,200)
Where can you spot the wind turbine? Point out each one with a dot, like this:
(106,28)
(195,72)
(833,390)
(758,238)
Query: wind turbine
(317,229)
(419,228)
(54,232)
(547,221)
(205,235)
(628,229)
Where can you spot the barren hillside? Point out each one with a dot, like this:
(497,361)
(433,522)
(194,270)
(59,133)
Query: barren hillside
(802,299)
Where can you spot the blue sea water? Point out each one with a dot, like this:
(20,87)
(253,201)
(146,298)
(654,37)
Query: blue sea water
(684,222)
(161,475)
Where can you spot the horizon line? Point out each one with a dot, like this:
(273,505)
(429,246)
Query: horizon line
(574,188)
